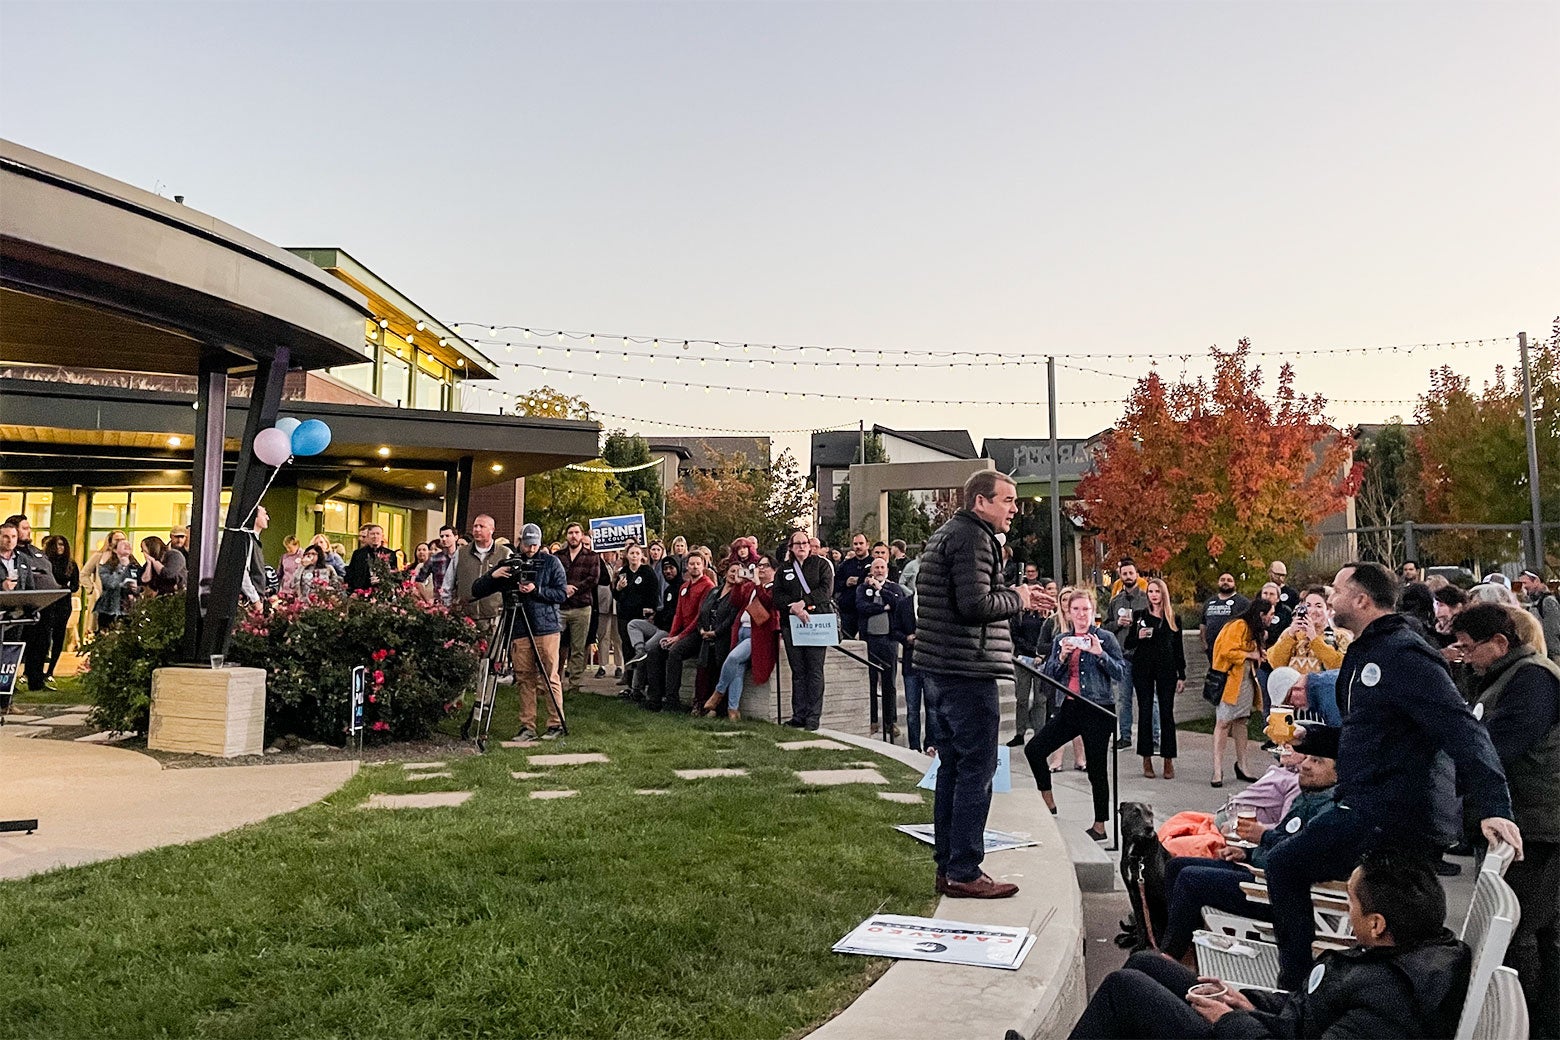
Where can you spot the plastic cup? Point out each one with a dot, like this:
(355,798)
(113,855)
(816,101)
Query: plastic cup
(1212,990)
(1281,724)
(217,661)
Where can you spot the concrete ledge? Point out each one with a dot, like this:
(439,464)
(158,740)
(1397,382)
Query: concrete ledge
(915,1000)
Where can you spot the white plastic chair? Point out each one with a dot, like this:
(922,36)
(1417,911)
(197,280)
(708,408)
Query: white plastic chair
(1498,858)
(1504,1015)
(1492,918)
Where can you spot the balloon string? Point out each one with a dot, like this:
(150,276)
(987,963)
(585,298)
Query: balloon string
(251,517)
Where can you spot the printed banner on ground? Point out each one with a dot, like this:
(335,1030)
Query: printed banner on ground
(614,532)
(931,939)
(996,841)
(817,630)
(1001,780)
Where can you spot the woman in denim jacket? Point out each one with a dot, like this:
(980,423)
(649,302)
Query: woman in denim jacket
(1087,660)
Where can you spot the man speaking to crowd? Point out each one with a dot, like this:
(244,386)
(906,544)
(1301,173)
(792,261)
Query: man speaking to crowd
(963,646)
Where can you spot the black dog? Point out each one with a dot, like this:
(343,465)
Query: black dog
(1143,861)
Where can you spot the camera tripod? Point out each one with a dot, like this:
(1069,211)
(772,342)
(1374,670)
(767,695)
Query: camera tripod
(498,660)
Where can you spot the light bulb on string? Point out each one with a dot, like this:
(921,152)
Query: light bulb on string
(526,333)
(421,326)
(493,331)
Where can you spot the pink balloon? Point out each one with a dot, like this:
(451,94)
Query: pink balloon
(273,447)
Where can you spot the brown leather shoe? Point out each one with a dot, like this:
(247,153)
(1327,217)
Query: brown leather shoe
(983,887)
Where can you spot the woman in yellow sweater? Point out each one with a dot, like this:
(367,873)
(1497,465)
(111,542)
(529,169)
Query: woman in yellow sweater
(1310,644)
(1237,652)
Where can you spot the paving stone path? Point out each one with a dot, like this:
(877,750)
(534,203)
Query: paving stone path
(822,744)
(549,795)
(898,796)
(579,759)
(835,777)
(652,790)
(432,800)
(700,774)
(439,775)
(528,776)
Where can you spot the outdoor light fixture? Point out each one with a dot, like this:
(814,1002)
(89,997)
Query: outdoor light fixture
(498,467)
(384,453)
(385,468)
(384,323)
(174,442)
(428,486)
(421,326)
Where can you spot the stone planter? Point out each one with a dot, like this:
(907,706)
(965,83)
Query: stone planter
(206,711)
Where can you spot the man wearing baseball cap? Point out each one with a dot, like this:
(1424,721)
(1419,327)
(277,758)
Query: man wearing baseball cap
(537,579)
(1544,606)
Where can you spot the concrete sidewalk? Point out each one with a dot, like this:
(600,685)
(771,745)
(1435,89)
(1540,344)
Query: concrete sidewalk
(94,802)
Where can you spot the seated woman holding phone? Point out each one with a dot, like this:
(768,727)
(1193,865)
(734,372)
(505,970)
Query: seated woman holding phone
(1087,660)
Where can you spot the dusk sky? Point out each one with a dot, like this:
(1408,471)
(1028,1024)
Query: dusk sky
(1083,178)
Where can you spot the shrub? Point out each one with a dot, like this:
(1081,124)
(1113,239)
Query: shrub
(419,660)
(118,673)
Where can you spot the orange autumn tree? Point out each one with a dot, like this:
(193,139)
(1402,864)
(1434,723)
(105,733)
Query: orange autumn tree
(1201,477)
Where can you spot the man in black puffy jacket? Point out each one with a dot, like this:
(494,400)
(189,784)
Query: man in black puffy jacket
(1407,977)
(963,646)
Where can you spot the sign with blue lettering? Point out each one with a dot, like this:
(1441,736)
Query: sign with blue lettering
(817,630)
(359,699)
(614,532)
(10,667)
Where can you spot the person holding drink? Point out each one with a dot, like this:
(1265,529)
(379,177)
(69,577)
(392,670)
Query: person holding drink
(1238,652)
(119,580)
(1087,660)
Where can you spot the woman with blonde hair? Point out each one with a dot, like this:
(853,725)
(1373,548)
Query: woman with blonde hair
(1153,645)
(1238,652)
(91,589)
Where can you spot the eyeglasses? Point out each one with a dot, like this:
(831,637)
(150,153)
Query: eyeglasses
(795,544)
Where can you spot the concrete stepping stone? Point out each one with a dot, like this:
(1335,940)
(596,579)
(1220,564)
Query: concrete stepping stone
(440,775)
(700,774)
(529,776)
(549,795)
(21,720)
(431,800)
(18,732)
(82,708)
(725,732)
(519,743)
(582,758)
(900,796)
(410,766)
(823,744)
(71,719)
(652,790)
(108,736)
(835,777)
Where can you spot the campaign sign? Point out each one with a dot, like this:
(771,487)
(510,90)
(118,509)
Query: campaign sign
(615,532)
(10,668)
(359,699)
(817,630)
(1001,780)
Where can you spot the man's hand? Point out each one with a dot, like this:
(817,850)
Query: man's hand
(1232,854)
(1208,1008)
(647,612)
(666,644)
(1180,686)
(799,609)
(526,589)
(502,572)
(1234,998)
(851,581)
(568,590)
(1248,829)
(1497,829)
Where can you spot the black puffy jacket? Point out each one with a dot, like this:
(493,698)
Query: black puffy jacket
(1382,991)
(962,604)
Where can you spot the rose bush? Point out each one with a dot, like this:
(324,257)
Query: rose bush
(420,660)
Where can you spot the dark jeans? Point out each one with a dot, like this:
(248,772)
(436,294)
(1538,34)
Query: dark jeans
(1147,997)
(882,650)
(1149,688)
(964,713)
(1535,948)
(1326,849)
(35,653)
(806,683)
(56,619)
(665,670)
(913,710)
(1194,882)
(1076,719)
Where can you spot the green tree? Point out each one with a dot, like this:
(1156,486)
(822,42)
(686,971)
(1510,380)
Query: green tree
(906,518)
(642,485)
(735,497)
(1383,499)
(562,496)
(1469,455)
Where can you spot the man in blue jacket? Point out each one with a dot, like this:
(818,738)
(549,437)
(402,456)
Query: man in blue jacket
(1399,709)
(538,579)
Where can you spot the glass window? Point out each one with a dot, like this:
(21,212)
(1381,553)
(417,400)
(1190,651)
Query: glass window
(396,380)
(429,391)
(394,523)
(341,523)
(360,376)
(139,514)
(37,506)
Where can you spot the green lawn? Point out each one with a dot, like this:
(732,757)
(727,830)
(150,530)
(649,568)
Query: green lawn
(69,690)
(1254,725)
(705,912)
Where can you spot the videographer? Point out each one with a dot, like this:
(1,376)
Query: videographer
(533,582)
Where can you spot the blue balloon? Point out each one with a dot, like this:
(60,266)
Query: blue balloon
(310,438)
(288,425)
